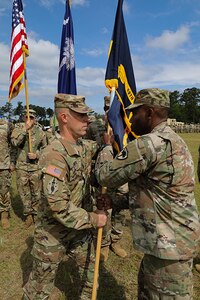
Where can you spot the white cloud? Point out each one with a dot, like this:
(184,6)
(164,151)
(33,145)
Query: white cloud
(176,75)
(170,40)
(42,72)
(104,30)
(93,52)
(126,8)
(50,3)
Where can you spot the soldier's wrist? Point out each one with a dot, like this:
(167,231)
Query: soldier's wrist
(93,219)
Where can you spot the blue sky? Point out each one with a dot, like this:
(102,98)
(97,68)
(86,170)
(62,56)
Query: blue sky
(164,39)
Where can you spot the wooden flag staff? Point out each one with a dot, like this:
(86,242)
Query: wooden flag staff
(100,230)
(27,102)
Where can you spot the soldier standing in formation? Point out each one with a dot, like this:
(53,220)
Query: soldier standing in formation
(112,232)
(7,165)
(65,223)
(160,173)
(28,170)
(197,266)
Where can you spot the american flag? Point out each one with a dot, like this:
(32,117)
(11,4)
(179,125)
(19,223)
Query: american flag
(19,46)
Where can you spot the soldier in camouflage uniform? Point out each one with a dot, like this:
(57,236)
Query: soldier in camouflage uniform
(112,232)
(65,222)
(28,171)
(7,164)
(51,134)
(160,173)
(197,266)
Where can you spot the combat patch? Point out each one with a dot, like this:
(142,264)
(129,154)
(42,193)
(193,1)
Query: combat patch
(55,171)
(123,154)
(131,155)
(52,186)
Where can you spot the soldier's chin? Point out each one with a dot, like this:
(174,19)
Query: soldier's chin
(84,131)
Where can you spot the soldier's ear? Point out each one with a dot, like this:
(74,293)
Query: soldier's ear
(64,117)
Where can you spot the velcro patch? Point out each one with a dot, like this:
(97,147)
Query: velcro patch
(123,154)
(54,171)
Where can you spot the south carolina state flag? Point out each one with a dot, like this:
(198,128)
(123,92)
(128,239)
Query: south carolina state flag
(67,74)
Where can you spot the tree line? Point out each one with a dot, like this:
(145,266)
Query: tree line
(184,107)
(16,114)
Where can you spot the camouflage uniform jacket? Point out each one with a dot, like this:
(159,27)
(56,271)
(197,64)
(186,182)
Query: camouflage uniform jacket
(95,132)
(160,173)
(65,198)
(19,139)
(198,166)
(8,153)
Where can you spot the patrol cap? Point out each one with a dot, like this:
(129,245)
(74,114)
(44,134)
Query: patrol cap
(32,112)
(107,101)
(73,102)
(92,118)
(152,97)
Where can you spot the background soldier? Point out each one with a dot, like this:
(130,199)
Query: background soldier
(65,218)
(7,164)
(197,266)
(112,232)
(160,173)
(28,171)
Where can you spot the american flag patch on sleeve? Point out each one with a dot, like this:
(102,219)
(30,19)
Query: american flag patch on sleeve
(54,171)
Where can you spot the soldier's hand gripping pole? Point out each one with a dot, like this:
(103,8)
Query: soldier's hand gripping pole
(107,205)
(103,203)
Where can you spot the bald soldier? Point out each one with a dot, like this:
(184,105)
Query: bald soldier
(66,223)
(160,174)
(28,170)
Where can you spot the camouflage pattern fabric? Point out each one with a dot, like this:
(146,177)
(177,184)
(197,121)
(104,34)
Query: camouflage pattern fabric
(28,171)
(64,224)
(7,157)
(160,172)
(51,135)
(19,139)
(28,186)
(95,131)
(113,230)
(165,279)
(5,183)
(198,166)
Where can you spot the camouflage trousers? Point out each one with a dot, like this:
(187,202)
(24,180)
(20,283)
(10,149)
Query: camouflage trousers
(111,233)
(46,260)
(29,185)
(161,279)
(5,184)
(113,230)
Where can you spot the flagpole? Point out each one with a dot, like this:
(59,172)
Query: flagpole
(100,229)
(27,102)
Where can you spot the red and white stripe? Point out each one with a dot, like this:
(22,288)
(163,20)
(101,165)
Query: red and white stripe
(18,46)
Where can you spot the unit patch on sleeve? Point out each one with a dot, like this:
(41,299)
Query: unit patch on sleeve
(123,154)
(52,186)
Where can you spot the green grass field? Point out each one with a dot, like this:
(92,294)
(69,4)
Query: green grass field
(118,277)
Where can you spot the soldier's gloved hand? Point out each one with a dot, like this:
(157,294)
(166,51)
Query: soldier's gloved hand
(32,155)
(104,202)
(98,218)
